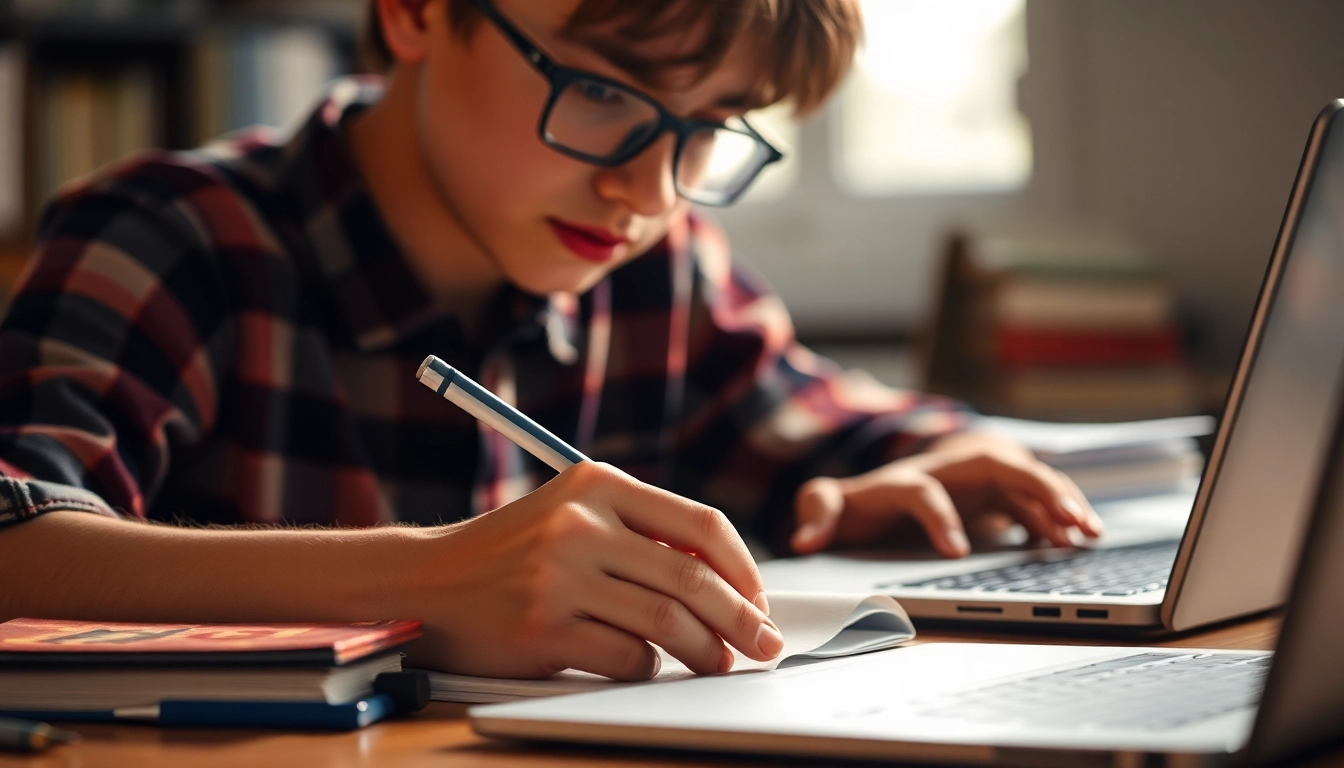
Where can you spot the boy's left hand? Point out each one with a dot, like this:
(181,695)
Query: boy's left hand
(960,477)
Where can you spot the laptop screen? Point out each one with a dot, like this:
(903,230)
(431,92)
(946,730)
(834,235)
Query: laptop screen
(1304,696)
(1281,413)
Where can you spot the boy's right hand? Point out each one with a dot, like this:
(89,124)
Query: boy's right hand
(573,576)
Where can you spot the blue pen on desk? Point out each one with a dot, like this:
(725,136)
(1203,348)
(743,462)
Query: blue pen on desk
(480,402)
(306,715)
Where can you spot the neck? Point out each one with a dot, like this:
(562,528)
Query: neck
(448,261)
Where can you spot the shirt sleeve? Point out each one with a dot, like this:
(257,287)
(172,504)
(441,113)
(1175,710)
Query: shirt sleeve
(104,363)
(763,413)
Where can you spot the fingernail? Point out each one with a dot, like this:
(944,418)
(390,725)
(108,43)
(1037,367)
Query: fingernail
(1071,506)
(808,532)
(959,542)
(726,660)
(762,603)
(657,663)
(769,641)
(1098,526)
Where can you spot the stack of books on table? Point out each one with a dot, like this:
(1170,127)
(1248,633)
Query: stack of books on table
(1059,324)
(1117,460)
(315,676)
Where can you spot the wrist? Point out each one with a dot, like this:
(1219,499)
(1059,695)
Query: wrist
(975,440)
(388,577)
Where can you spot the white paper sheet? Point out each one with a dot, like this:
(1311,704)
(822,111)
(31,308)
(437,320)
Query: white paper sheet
(814,626)
(1051,438)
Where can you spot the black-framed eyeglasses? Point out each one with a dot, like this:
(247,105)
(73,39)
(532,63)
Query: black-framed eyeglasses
(601,121)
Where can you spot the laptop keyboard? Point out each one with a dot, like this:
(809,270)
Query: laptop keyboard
(1118,572)
(1152,691)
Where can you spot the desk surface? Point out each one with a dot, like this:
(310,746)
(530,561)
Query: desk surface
(440,735)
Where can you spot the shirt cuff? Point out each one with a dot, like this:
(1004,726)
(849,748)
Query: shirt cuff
(25,499)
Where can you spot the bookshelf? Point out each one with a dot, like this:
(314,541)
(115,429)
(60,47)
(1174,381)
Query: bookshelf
(85,82)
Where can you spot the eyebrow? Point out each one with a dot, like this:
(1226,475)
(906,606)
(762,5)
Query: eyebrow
(642,69)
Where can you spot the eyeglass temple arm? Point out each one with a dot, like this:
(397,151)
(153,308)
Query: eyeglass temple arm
(528,48)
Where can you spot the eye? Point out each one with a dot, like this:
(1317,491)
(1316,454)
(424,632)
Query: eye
(598,93)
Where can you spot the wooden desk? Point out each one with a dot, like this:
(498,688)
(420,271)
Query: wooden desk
(440,735)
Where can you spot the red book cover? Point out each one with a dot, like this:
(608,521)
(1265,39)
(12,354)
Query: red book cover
(56,641)
(1015,347)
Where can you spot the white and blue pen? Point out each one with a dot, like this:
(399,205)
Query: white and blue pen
(504,418)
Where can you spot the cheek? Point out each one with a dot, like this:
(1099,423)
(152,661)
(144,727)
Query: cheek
(479,134)
(657,230)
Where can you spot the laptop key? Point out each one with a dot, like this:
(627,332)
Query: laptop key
(1118,572)
(1118,693)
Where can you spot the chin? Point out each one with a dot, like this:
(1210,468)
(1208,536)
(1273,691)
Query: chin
(558,281)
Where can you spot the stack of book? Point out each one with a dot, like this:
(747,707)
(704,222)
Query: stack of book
(1117,460)
(1063,326)
(283,675)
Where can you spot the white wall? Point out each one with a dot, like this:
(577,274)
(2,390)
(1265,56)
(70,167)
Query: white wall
(1179,121)
(1197,113)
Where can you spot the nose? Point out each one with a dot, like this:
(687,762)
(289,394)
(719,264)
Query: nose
(645,184)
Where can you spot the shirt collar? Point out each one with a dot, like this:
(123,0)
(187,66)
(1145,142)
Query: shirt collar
(372,285)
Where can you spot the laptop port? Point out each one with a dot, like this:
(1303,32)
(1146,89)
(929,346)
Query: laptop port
(1093,613)
(1040,610)
(979,609)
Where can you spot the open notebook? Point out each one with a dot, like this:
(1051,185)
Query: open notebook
(815,626)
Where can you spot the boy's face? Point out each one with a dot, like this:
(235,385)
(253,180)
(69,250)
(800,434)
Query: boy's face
(549,222)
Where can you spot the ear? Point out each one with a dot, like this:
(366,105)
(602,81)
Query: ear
(404,29)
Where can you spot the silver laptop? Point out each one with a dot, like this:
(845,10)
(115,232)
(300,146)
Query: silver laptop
(1183,560)
(1011,704)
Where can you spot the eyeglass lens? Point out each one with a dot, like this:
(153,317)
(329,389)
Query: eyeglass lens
(719,161)
(604,121)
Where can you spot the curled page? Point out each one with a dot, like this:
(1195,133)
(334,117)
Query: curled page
(815,626)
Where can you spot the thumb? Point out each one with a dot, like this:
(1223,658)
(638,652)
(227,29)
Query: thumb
(818,506)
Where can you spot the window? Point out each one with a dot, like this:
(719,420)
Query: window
(931,106)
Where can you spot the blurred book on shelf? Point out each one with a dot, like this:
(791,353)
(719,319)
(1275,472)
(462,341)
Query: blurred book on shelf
(11,139)
(258,75)
(1057,323)
(85,83)
(88,119)
(87,10)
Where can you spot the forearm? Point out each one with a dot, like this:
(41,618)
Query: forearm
(78,565)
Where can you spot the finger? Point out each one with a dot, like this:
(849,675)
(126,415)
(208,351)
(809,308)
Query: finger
(1034,517)
(1030,477)
(592,646)
(925,499)
(692,583)
(678,522)
(1095,527)
(818,507)
(659,619)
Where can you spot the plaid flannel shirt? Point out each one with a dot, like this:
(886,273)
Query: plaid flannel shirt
(230,336)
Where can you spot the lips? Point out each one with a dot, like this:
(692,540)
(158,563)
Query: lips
(588,243)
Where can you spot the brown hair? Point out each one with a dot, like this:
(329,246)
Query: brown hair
(807,45)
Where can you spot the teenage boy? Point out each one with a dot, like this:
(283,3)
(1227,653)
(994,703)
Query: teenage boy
(224,342)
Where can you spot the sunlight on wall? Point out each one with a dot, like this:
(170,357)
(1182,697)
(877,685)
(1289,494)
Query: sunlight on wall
(931,107)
